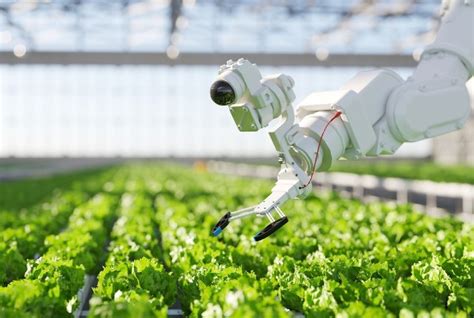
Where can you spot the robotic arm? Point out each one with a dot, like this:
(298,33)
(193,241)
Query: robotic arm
(371,115)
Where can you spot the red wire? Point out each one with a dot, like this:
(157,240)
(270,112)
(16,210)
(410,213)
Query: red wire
(313,168)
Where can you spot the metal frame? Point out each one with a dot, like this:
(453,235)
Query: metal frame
(160,58)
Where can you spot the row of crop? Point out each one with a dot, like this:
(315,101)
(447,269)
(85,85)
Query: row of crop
(20,243)
(361,268)
(335,257)
(40,213)
(21,194)
(211,280)
(53,197)
(215,279)
(133,282)
(24,229)
(52,282)
(120,290)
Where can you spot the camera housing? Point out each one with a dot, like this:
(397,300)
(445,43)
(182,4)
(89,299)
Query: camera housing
(253,101)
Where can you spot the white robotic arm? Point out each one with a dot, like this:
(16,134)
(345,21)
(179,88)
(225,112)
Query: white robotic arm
(371,115)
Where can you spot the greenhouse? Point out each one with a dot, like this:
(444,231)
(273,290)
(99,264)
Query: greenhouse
(208,158)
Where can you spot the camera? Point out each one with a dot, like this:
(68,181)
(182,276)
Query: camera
(222,93)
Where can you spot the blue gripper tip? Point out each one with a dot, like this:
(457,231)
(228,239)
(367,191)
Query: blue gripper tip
(217,231)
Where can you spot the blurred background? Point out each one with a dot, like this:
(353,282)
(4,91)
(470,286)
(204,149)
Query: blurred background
(130,78)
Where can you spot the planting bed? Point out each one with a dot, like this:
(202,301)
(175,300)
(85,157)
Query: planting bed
(144,232)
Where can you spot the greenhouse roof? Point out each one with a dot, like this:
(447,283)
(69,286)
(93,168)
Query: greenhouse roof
(173,26)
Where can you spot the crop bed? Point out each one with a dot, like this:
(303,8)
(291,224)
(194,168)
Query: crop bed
(144,232)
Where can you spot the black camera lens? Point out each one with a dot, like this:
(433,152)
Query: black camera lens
(222,93)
